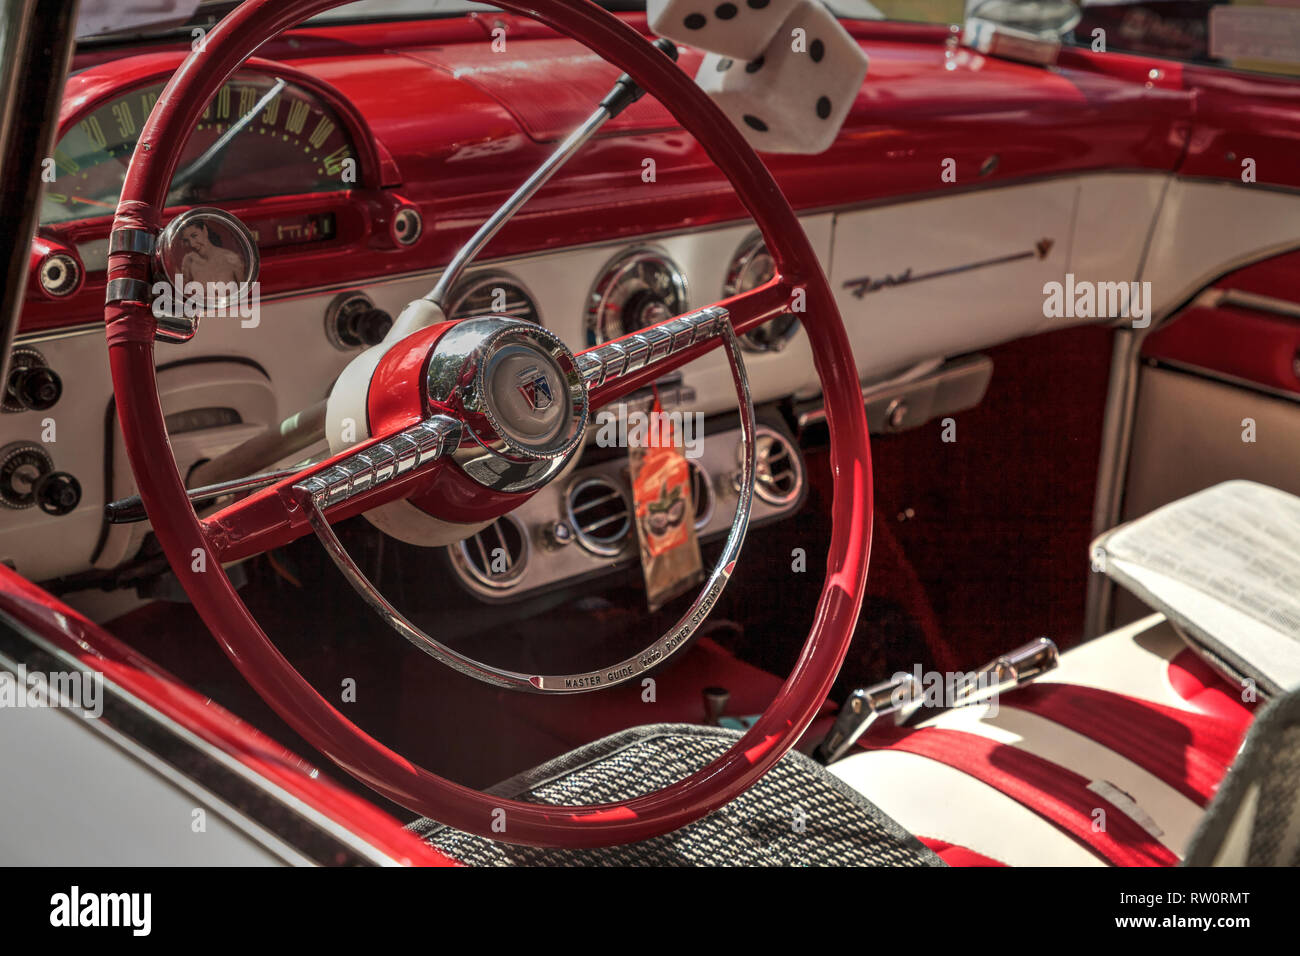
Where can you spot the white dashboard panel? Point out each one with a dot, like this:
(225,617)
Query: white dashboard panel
(1097,226)
(949,275)
(1207,229)
(1112,224)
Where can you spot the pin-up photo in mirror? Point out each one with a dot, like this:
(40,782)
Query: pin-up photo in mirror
(207,265)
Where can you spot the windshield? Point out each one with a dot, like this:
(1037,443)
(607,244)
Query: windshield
(112,21)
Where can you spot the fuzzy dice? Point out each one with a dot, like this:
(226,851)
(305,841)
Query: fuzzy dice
(735,28)
(794,96)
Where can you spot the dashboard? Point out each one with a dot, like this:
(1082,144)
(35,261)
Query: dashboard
(362,157)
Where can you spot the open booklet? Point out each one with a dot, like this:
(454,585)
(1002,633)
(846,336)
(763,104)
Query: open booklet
(1224,566)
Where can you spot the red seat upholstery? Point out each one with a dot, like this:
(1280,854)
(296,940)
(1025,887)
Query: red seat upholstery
(1112,760)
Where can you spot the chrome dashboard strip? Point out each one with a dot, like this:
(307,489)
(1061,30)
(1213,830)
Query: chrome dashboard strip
(507,263)
(425,275)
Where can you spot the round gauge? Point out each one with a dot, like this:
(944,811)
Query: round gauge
(22,465)
(492,293)
(638,288)
(211,251)
(260,136)
(751,266)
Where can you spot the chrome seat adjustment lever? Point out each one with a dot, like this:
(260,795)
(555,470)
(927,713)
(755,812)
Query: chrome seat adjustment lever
(904,698)
(863,708)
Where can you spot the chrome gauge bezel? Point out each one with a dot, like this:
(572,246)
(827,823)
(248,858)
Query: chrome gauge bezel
(617,270)
(471,284)
(744,256)
(170,251)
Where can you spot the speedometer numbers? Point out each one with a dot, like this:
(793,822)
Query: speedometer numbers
(260,136)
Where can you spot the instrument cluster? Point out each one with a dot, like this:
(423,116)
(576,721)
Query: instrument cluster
(260,136)
(644,286)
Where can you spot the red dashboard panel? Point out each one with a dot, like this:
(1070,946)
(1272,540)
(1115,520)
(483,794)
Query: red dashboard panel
(463,133)
(575,80)
(1244,117)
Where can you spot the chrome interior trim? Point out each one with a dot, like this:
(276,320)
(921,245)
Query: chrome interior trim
(1117,429)
(127,290)
(624,264)
(489,278)
(735,283)
(381,462)
(490,583)
(169,252)
(462,375)
(918,395)
(140,241)
(1260,303)
(701,482)
(602,545)
(67,332)
(313,497)
(641,239)
(1112,468)
(1214,375)
(763,481)
(649,347)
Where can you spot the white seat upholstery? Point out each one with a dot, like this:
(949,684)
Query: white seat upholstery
(936,801)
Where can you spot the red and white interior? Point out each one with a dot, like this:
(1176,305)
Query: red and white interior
(1003,439)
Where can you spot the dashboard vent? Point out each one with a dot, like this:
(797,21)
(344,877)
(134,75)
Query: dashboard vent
(600,516)
(495,557)
(778,475)
(702,495)
(492,293)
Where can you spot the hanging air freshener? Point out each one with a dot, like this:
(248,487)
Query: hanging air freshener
(665,511)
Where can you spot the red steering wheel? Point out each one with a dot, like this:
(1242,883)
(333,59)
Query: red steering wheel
(196,549)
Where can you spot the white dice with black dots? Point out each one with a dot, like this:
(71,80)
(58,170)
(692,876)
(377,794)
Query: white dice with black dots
(735,28)
(795,95)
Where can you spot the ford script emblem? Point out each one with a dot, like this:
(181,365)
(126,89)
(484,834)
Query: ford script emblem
(536,389)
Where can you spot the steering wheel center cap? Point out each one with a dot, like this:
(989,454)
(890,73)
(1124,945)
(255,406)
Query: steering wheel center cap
(517,388)
(524,394)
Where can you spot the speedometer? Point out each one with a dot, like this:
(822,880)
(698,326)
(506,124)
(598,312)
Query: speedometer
(260,136)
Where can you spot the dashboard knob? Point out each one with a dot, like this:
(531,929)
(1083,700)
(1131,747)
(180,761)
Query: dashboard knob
(35,387)
(22,467)
(370,327)
(352,321)
(57,493)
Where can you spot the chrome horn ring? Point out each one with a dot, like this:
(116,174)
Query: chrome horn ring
(516,388)
(315,494)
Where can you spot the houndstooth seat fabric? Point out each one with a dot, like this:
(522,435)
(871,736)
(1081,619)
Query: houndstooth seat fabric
(796,815)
